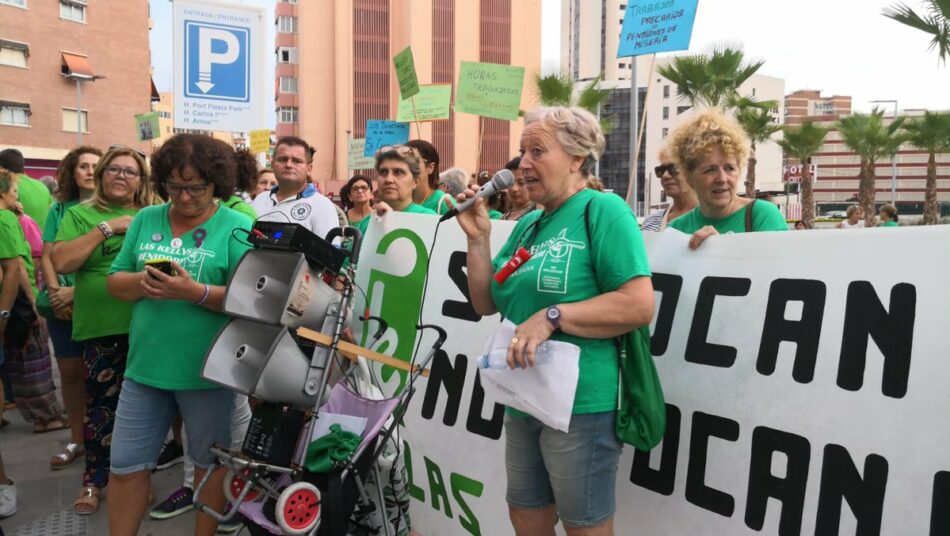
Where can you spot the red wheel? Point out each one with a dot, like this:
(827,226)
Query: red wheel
(234,483)
(298,508)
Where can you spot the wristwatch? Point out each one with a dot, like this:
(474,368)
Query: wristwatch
(105,229)
(4,315)
(554,317)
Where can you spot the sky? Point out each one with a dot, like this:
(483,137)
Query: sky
(842,47)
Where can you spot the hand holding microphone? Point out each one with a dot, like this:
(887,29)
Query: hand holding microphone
(475,223)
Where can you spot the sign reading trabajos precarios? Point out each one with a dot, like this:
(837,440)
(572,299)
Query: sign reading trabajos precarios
(651,26)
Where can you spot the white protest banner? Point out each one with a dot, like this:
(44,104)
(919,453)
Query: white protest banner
(804,376)
(218,53)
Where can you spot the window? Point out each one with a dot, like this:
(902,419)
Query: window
(14,113)
(13,53)
(74,10)
(69,120)
(287,55)
(666,132)
(286,24)
(17,3)
(666,91)
(287,114)
(288,84)
(666,112)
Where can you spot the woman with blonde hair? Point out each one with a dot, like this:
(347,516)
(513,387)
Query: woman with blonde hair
(711,149)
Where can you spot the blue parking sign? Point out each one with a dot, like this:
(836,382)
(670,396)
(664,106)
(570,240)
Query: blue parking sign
(217,61)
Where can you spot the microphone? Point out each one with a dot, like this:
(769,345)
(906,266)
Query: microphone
(501,181)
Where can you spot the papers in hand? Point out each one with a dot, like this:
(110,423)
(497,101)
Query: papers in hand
(545,391)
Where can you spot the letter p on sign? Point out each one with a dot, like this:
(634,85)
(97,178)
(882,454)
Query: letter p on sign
(217,62)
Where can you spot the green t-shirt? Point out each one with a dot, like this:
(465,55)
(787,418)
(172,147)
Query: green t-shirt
(565,268)
(168,339)
(435,203)
(765,217)
(13,243)
(53,220)
(95,312)
(888,224)
(494,214)
(236,203)
(411,208)
(35,198)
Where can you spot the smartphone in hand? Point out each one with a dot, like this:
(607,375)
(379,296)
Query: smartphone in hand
(162,265)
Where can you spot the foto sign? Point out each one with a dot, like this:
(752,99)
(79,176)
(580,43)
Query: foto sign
(218,54)
(793,172)
(656,26)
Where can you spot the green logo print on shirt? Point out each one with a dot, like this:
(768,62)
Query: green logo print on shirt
(552,277)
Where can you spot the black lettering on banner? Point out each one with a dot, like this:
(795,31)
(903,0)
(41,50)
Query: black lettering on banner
(697,492)
(669,287)
(805,332)
(940,504)
(443,373)
(462,310)
(698,350)
(840,479)
(663,479)
(490,428)
(437,487)
(892,331)
(789,490)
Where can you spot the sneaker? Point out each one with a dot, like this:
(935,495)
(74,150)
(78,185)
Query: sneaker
(172,453)
(7,499)
(179,502)
(232,525)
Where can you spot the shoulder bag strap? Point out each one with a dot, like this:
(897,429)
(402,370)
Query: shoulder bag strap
(748,216)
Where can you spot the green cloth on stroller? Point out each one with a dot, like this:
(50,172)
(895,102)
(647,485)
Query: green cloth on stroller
(331,450)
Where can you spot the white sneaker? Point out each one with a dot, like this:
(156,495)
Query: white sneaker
(7,499)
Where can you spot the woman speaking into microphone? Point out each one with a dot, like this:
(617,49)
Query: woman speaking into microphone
(578,274)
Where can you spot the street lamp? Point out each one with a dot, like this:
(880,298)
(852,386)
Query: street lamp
(80,78)
(894,156)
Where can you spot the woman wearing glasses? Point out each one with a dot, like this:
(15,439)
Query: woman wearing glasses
(675,187)
(357,196)
(88,240)
(176,313)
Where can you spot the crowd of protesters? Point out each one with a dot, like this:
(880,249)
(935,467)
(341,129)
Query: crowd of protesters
(77,283)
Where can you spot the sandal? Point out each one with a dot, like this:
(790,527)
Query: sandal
(49,426)
(88,501)
(71,452)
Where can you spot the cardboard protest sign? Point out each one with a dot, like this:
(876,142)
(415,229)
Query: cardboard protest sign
(260,141)
(380,133)
(489,90)
(147,126)
(432,103)
(650,27)
(355,158)
(802,397)
(406,73)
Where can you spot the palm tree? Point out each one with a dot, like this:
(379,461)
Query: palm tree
(936,23)
(756,119)
(802,143)
(711,79)
(872,140)
(932,134)
(559,90)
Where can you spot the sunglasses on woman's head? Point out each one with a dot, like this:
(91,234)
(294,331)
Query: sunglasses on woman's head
(401,149)
(663,168)
(119,146)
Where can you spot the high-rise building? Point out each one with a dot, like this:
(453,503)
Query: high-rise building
(590,35)
(809,103)
(334,72)
(71,71)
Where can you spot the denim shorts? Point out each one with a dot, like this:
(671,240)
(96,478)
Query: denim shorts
(145,414)
(61,333)
(576,470)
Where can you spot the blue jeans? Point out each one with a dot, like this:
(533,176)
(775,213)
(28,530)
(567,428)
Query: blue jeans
(146,413)
(576,470)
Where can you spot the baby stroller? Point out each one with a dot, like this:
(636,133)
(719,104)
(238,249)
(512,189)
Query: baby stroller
(289,367)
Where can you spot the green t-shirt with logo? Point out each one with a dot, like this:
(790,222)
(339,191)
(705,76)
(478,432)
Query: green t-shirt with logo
(236,203)
(95,312)
(765,217)
(53,221)
(168,339)
(565,268)
(436,204)
(411,208)
(13,243)
(35,198)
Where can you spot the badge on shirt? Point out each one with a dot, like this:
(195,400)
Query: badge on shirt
(300,211)
(157,237)
(176,243)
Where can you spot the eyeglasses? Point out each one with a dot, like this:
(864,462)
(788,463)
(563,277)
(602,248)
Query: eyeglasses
(662,169)
(128,172)
(119,146)
(195,190)
(359,188)
(401,149)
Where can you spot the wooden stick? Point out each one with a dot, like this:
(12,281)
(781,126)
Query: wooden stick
(352,351)
(416,117)
(478,154)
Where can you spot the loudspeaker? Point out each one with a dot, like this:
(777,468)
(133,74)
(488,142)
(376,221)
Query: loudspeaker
(262,360)
(280,288)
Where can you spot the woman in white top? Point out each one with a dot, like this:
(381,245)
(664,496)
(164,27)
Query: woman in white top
(855,218)
(676,188)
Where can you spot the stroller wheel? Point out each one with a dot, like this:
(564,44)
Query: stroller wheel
(298,508)
(233,484)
